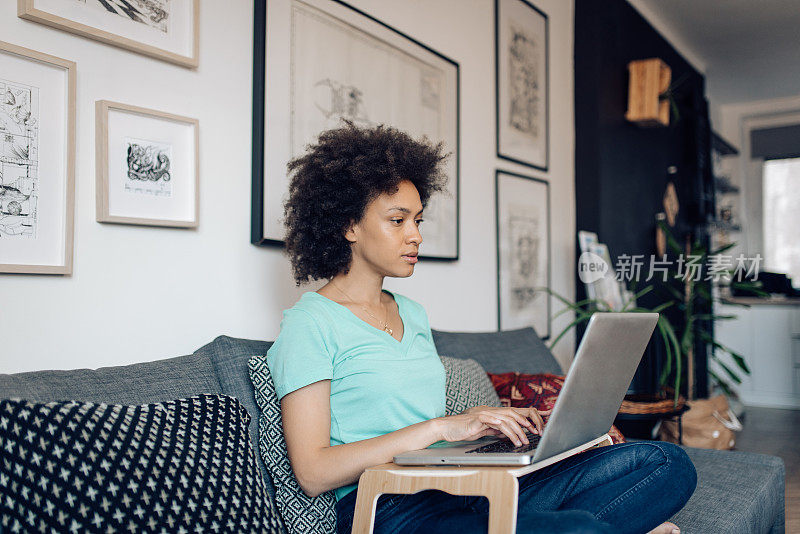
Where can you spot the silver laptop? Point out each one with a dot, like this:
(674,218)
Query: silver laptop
(593,391)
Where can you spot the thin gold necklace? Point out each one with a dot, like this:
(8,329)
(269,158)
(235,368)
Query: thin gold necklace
(385,325)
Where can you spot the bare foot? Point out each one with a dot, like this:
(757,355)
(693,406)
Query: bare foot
(666,527)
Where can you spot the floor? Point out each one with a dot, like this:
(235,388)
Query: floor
(781,428)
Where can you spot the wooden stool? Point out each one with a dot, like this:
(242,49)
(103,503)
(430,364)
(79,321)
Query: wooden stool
(498,484)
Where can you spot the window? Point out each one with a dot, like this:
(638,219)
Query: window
(781,202)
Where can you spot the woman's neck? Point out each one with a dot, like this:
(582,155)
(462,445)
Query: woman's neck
(360,288)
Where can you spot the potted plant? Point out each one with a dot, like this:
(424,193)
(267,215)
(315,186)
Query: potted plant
(694,322)
(679,331)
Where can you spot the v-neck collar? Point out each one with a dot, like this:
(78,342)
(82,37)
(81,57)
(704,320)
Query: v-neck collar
(376,329)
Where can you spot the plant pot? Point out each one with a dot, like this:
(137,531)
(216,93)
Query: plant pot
(639,414)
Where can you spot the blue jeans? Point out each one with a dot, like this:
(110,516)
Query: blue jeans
(624,488)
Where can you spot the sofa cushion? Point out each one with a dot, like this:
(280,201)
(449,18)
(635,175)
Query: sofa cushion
(467,385)
(539,391)
(736,491)
(178,466)
(301,514)
(228,356)
(500,352)
(140,383)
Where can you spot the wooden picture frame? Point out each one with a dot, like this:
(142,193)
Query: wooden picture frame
(522,217)
(320,37)
(136,164)
(39,108)
(135,32)
(522,83)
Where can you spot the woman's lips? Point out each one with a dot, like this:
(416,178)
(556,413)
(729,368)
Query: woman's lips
(410,259)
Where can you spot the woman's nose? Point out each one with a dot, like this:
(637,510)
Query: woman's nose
(415,236)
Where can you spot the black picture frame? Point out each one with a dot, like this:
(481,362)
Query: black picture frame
(257,231)
(544,333)
(503,151)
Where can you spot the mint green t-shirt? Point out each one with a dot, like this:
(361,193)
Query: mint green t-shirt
(378,384)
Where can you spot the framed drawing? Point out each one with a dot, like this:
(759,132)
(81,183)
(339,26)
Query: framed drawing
(597,273)
(522,208)
(317,61)
(163,29)
(147,166)
(37,161)
(522,83)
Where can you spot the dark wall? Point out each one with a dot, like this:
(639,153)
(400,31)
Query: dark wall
(620,168)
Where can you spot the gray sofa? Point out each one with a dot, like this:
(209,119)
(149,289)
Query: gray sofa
(736,491)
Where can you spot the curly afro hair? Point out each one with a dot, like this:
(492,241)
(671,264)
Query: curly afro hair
(334,181)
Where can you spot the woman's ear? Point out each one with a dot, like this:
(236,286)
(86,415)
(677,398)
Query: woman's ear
(351,233)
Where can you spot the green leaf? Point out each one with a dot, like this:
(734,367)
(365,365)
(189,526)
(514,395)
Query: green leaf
(737,358)
(722,384)
(580,305)
(576,322)
(722,249)
(675,293)
(564,300)
(668,349)
(727,370)
(644,291)
(713,317)
(679,355)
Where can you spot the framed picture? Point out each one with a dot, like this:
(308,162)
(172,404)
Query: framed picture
(37,161)
(522,208)
(317,61)
(147,166)
(522,82)
(163,29)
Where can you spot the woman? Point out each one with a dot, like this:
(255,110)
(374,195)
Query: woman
(359,379)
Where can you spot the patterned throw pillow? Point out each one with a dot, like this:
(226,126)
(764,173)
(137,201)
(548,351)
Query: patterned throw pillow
(539,391)
(301,514)
(467,385)
(178,466)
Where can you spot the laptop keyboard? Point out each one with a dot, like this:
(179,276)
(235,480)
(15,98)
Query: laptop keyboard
(506,445)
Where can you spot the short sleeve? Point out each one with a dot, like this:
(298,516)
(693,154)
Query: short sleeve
(299,356)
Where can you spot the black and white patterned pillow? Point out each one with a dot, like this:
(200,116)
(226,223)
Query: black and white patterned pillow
(301,514)
(177,466)
(468,385)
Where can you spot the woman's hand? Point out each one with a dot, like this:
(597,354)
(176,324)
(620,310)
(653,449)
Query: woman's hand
(483,421)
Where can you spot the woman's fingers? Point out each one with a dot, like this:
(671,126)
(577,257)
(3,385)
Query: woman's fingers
(518,415)
(509,426)
(497,423)
(534,414)
(521,418)
(529,418)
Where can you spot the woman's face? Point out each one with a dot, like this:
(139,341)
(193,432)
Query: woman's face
(387,238)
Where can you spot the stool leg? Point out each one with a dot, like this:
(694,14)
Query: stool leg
(503,494)
(366,502)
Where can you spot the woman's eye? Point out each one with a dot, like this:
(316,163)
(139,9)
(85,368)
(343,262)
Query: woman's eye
(420,221)
(397,220)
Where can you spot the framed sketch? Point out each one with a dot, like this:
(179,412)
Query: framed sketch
(522,208)
(147,166)
(37,161)
(597,273)
(317,61)
(522,82)
(163,29)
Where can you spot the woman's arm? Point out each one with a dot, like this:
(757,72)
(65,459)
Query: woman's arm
(319,467)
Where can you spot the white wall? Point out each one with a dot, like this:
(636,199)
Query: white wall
(140,294)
